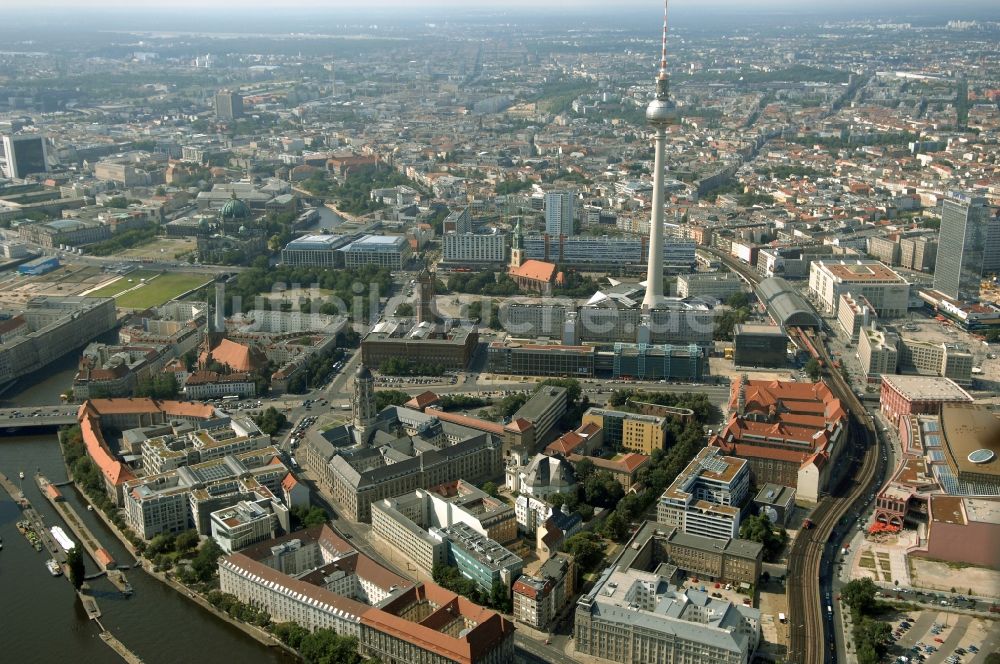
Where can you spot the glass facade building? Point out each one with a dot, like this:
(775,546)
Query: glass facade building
(968,246)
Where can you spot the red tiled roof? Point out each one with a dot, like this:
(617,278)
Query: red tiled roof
(536,270)
(237,357)
(422,400)
(471,422)
(519,425)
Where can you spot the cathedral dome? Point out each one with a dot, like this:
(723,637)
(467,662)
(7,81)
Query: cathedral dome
(235,209)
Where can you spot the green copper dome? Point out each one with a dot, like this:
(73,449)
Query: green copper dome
(235,209)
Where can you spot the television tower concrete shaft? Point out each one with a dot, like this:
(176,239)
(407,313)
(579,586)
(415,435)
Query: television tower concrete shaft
(659,114)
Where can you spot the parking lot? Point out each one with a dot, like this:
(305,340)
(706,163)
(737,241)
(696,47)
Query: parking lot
(937,636)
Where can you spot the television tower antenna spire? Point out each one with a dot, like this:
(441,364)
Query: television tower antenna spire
(659,114)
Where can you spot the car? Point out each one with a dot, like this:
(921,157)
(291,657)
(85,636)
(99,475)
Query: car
(938,639)
(960,651)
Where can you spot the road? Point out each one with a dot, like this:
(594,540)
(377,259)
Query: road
(539,651)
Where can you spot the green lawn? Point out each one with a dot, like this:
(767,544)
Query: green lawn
(159,288)
(122,284)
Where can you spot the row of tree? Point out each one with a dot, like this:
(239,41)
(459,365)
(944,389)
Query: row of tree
(403,366)
(871,635)
(497,598)
(486,282)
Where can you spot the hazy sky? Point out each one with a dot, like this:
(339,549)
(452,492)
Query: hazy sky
(810,6)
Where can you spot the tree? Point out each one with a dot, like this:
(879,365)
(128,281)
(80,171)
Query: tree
(616,527)
(204,564)
(307,517)
(584,469)
(74,560)
(874,632)
(859,595)
(500,598)
(187,540)
(490,488)
(385,398)
(270,421)
(290,633)
(586,547)
(325,646)
(602,490)
(867,654)
(404,309)
(813,369)
(162,543)
(759,529)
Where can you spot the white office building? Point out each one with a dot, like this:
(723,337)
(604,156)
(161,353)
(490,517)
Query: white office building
(475,248)
(705,498)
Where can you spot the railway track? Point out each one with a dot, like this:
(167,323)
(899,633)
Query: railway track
(812,636)
(815,641)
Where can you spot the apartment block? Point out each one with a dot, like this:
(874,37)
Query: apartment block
(479,558)
(316,251)
(634,614)
(49,327)
(539,598)
(474,249)
(185,497)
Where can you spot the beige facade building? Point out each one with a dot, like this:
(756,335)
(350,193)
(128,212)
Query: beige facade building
(318,580)
(635,615)
(936,359)
(51,327)
(855,313)
(630,431)
(918,253)
(403,522)
(887,292)
(878,350)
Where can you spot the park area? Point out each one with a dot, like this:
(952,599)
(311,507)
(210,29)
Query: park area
(143,289)
(160,249)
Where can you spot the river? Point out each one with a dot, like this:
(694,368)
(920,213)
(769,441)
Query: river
(42,620)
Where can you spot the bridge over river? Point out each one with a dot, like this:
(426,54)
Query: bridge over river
(28,418)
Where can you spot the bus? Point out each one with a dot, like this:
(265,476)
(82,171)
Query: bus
(231,397)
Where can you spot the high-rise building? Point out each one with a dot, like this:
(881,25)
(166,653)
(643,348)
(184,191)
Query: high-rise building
(659,114)
(559,213)
(24,154)
(228,105)
(968,245)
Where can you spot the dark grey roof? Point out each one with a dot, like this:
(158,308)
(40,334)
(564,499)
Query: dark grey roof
(786,305)
(363,373)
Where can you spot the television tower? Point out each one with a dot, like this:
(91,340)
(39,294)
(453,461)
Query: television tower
(659,114)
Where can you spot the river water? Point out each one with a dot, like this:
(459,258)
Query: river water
(40,617)
(42,620)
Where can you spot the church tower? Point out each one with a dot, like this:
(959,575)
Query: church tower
(363,404)
(517,247)
(425,298)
